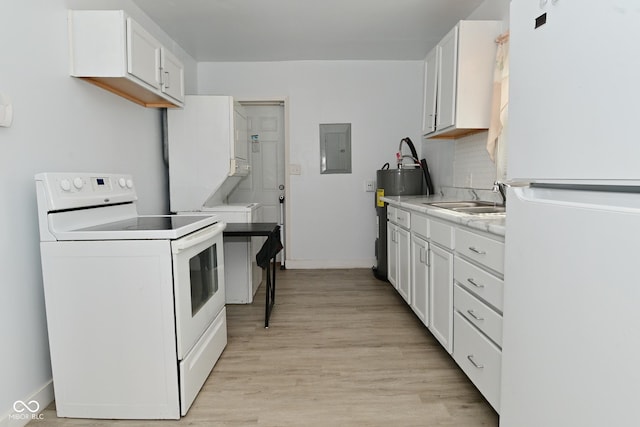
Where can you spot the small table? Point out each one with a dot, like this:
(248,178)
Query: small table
(257,229)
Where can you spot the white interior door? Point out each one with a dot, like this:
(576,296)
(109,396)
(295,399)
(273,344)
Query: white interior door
(266,181)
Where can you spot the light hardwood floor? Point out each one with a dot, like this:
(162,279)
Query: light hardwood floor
(343,349)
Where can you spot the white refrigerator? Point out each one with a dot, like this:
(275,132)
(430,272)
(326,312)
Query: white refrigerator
(571,343)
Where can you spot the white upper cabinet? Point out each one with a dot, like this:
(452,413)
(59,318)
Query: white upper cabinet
(429,98)
(143,54)
(447,74)
(114,52)
(172,77)
(459,80)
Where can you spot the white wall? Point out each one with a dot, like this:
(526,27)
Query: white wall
(332,222)
(493,9)
(60,124)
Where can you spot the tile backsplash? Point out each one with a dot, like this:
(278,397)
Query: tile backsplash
(472,167)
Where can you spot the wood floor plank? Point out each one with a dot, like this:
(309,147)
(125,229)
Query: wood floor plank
(343,349)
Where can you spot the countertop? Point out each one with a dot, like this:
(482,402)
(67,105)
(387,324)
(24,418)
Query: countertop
(492,223)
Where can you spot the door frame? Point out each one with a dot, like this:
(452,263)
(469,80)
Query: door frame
(284,101)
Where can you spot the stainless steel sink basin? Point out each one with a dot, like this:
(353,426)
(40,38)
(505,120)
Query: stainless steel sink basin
(480,209)
(470,207)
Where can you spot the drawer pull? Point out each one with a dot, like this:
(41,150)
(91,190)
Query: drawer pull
(477,251)
(474,363)
(474,315)
(474,283)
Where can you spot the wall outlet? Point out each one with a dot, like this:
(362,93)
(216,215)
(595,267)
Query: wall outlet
(370,186)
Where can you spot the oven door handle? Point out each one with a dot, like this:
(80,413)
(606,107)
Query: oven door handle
(197,237)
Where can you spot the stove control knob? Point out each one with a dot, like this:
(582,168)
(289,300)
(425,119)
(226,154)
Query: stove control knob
(122,182)
(129,183)
(65,185)
(78,183)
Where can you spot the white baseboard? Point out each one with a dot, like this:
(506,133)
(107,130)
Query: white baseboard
(28,408)
(306,264)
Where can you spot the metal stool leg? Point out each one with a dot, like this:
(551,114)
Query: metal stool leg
(270,298)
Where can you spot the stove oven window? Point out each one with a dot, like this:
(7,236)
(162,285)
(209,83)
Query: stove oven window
(204,278)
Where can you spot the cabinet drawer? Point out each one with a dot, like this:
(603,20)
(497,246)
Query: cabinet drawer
(441,233)
(479,282)
(479,358)
(481,249)
(420,225)
(391,213)
(478,313)
(403,218)
(198,363)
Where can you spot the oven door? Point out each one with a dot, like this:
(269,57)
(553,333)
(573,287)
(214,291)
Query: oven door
(198,270)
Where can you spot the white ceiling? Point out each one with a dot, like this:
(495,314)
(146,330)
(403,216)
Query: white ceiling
(279,30)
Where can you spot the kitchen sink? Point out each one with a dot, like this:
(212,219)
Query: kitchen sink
(480,209)
(470,207)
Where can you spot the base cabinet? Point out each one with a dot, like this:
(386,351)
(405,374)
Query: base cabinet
(399,251)
(404,264)
(441,296)
(399,263)
(392,255)
(420,278)
(479,358)
(452,277)
(478,301)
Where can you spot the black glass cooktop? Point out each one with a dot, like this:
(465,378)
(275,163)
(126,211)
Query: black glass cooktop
(160,223)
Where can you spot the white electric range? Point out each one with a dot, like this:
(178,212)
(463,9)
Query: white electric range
(134,303)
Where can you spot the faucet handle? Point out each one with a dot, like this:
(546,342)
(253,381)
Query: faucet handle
(499,187)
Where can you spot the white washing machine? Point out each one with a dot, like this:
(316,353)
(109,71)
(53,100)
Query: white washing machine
(243,276)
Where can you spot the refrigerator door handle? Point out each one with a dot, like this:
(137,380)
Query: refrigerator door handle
(606,199)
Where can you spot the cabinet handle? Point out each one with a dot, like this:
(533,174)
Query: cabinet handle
(474,283)
(424,257)
(167,79)
(473,362)
(474,315)
(479,252)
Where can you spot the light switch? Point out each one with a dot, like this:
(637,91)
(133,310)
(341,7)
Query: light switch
(6,111)
(295,169)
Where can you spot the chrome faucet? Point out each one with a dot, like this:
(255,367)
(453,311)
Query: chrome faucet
(498,187)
